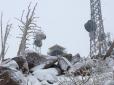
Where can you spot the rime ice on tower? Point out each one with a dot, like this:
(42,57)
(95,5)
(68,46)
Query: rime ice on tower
(38,37)
(96,30)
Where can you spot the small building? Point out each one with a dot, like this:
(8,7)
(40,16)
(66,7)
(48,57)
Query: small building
(56,50)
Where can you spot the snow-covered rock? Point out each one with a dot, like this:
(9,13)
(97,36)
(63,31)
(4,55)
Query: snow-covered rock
(76,58)
(64,63)
(10,64)
(110,62)
(68,56)
(11,77)
(109,82)
(49,63)
(49,75)
(45,83)
(37,67)
(46,70)
(31,80)
(22,63)
(19,77)
(80,68)
(35,59)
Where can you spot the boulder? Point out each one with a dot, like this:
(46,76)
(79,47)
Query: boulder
(31,80)
(49,63)
(9,63)
(10,77)
(68,56)
(34,59)
(22,63)
(76,58)
(49,75)
(64,64)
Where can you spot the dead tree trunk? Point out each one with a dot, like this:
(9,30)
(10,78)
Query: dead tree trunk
(4,37)
(26,27)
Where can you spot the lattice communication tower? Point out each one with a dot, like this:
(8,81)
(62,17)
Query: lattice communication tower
(96,30)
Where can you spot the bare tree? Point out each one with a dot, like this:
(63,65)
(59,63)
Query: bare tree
(27,27)
(4,37)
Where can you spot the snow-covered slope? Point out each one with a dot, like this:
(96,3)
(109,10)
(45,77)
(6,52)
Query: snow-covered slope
(53,74)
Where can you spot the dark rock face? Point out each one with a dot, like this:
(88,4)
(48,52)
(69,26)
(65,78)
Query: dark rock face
(76,58)
(68,56)
(21,63)
(5,77)
(34,59)
(59,70)
(49,63)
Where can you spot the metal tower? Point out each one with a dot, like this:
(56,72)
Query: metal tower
(96,30)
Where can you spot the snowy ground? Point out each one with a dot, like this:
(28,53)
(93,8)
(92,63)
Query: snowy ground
(100,75)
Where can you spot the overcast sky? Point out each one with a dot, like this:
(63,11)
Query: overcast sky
(62,21)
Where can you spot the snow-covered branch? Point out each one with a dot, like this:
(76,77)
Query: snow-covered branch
(27,25)
(4,37)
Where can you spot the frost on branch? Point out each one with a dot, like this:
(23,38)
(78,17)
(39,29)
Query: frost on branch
(4,38)
(27,27)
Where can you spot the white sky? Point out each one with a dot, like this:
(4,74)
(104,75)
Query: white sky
(62,21)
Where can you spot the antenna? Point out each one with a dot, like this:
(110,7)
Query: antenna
(96,30)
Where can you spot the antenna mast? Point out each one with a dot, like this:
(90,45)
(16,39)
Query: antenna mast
(96,30)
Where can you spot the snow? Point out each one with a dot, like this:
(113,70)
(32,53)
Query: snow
(76,67)
(18,76)
(41,66)
(64,63)
(76,59)
(31,80)
(29,51)
(50,57)
(50,76)
(67,61)
(110,62)
(109,82)
(45,83)
(10,64)
(46,74)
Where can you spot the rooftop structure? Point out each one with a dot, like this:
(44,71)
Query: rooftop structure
(56,50)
